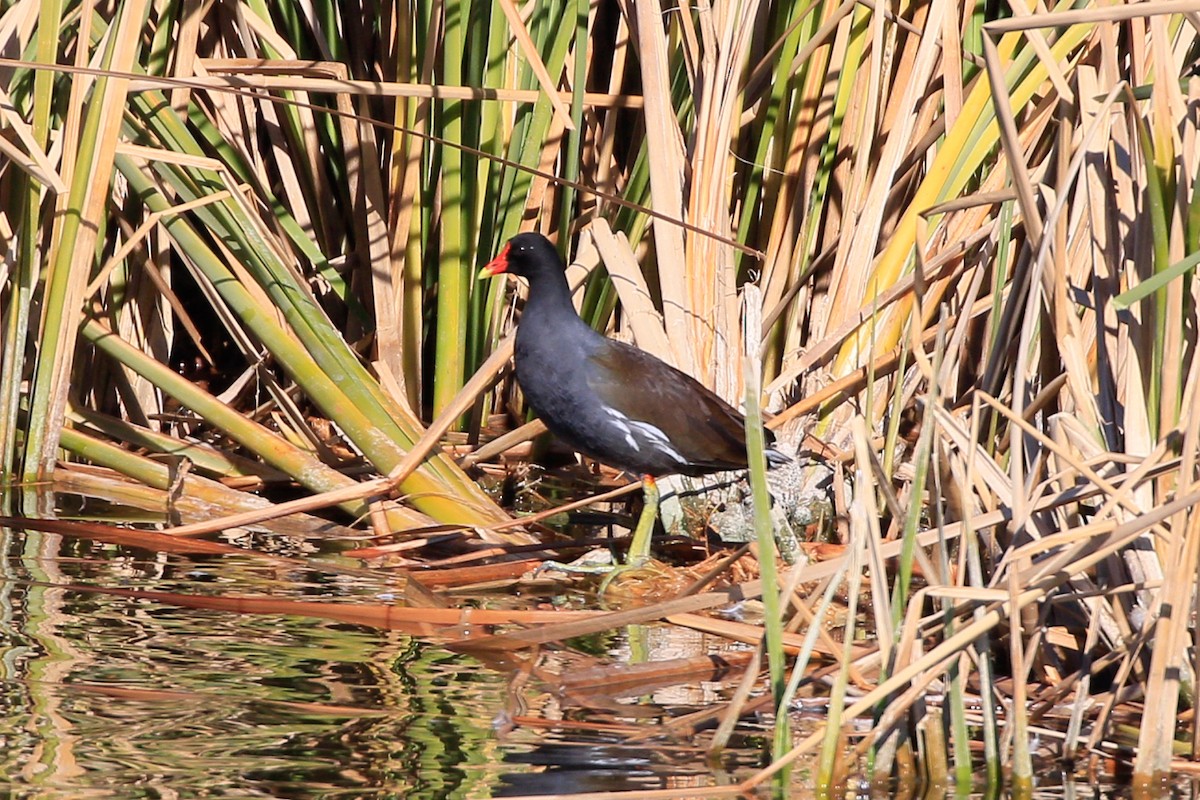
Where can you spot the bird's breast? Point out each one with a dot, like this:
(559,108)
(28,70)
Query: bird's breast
(551,372)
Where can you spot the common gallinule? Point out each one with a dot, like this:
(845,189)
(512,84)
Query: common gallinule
(610,400)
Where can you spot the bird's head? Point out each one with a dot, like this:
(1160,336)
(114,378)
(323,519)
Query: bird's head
(526,255)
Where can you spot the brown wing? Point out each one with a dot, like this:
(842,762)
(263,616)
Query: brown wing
(702,427)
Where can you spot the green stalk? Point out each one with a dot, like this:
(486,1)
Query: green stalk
(454,273)
(481,131)
(486,306)
(974,14)
(166,34)
(575,137)
(1157,211)
(413,25)
(764,530)
(491,138)
(993,768)
(1018,703)
(77,230)
(146,471)
(327,14)
(27,198)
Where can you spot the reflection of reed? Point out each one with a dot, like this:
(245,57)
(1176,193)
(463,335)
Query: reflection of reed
(45,618)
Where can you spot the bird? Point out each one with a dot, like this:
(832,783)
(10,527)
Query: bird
(609,400)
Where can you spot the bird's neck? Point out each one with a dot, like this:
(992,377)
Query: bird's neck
(550,298)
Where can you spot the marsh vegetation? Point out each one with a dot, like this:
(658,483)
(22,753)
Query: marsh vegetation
(949,248)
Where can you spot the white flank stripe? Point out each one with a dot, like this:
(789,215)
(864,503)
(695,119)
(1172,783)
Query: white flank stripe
(618,421)
(658,440)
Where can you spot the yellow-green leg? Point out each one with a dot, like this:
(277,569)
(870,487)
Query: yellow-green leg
(639,546)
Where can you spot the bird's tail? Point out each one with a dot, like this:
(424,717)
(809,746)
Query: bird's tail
(775,458)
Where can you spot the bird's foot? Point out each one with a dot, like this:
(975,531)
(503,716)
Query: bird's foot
(629,570)
(638,572)
(580,567)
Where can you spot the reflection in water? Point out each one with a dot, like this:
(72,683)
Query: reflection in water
(113,697)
